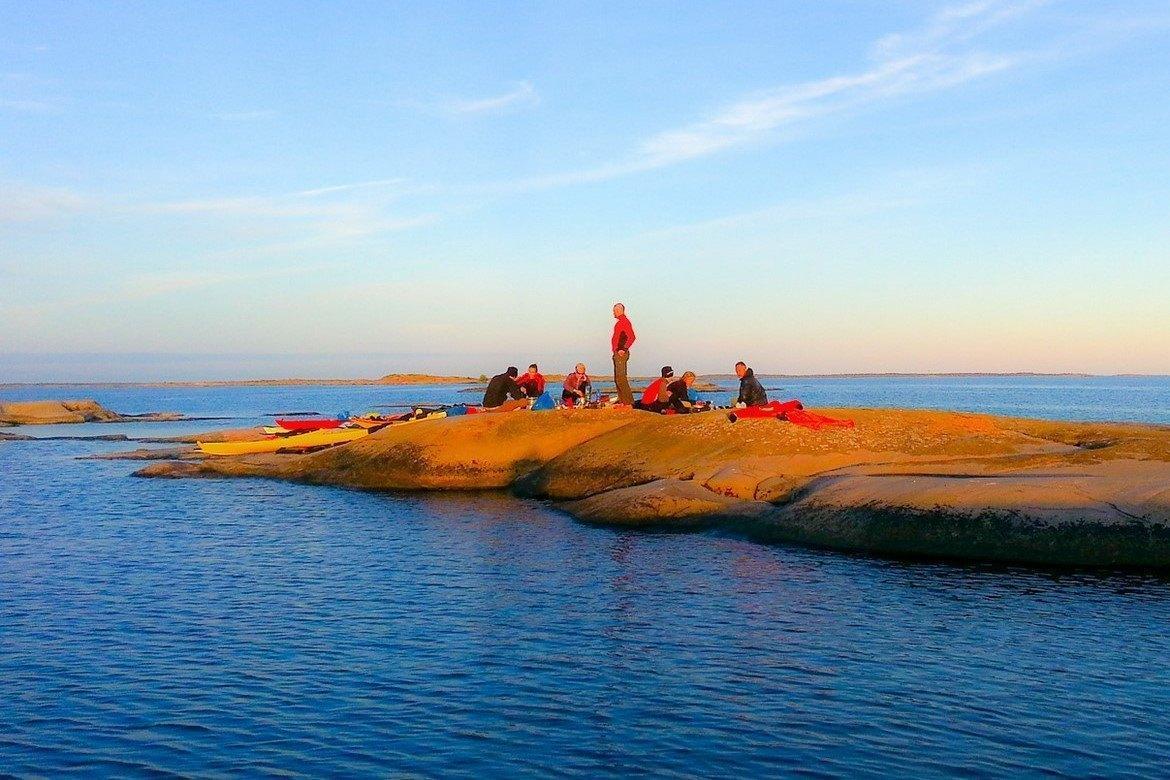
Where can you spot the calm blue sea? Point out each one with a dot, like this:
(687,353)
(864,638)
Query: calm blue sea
(205,627)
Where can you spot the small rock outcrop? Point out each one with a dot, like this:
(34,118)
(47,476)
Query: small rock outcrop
(58,412)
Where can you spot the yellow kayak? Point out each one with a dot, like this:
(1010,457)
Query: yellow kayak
(322,438)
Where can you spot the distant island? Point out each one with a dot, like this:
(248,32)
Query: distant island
(436,379)
(388,379)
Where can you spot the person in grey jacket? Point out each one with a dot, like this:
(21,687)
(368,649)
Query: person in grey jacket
(751,392)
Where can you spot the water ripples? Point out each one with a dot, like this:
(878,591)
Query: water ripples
(201,627)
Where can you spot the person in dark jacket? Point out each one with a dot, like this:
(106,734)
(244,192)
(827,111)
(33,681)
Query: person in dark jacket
(502,387)
(680,393)
(751,392)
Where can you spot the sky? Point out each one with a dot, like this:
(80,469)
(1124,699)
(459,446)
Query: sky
(236,190)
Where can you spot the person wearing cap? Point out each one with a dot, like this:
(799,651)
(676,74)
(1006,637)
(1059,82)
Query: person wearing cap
(576,387)
(501,388)
(655,397)
(532,382)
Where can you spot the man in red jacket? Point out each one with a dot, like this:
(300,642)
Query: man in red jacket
(623,339)
(532,382)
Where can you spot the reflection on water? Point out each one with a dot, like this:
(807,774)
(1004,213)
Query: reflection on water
(252,627)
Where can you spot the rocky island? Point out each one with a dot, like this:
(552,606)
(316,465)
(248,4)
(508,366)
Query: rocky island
(903,483)
(83,411)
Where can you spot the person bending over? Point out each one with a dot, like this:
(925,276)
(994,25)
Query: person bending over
(655,397)
(577,387)
(751,392)
(501,388)
(679,392)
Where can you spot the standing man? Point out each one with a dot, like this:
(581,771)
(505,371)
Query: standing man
(623,339)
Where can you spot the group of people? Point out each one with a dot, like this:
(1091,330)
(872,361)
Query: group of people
(511,390)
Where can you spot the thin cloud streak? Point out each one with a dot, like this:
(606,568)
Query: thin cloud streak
(523,93)
(145,286)
(27,203)
(361,185)
(904,65)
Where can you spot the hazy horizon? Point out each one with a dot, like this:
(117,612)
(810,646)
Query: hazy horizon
(839,187)
(147,368)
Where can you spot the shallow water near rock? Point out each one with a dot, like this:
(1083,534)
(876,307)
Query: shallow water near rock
(248,627)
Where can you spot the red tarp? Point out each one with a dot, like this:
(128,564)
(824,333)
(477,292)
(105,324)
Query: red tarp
(792,411)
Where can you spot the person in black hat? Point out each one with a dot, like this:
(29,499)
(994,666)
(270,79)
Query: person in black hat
(501,388)
(655,398)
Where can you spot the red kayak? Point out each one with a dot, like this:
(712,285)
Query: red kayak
(307,425)
(791,411)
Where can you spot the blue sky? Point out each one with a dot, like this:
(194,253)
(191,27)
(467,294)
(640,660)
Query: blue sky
(357,188)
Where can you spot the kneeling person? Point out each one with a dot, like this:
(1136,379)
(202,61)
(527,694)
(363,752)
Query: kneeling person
(577,387)
(679,392)
(532,382)
(655,397)
(501,388)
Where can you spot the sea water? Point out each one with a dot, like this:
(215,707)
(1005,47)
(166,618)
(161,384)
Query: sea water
(209,627)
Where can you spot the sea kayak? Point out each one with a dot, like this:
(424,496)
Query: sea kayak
(308,425)
(301,441)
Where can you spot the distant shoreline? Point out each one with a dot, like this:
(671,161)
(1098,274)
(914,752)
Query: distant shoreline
(389,379)
(429,379)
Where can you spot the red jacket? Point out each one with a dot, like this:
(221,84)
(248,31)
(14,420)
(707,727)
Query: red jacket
(623,334)
(531,384)
(652,391)
(574,381)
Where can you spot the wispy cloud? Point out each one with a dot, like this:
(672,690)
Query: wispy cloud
(524,93)
(252,206)
(322,215)
(752,120)
(956,24)
(361,185)
(892,191)
(937,56)
(25,203)
(147,285)
(153,284)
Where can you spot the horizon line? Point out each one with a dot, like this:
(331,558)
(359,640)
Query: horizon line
(378,381)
